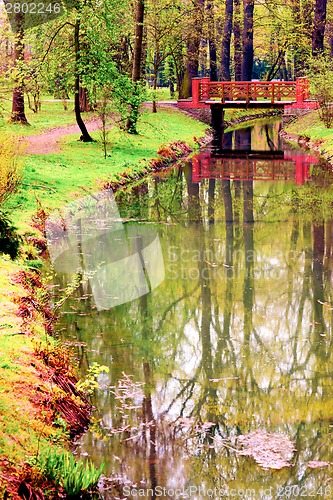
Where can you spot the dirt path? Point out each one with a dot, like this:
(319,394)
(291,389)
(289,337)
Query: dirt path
(49,142)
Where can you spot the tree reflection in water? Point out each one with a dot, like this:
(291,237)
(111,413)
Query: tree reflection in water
(238,337)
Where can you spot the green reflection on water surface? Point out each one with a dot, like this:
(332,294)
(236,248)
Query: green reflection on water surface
(238,336)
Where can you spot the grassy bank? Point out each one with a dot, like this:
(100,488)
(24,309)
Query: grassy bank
(26,423)
(56,178)
(311,132)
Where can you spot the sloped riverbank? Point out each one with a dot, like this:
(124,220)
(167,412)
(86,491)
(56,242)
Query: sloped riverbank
(40,405)
(309,132)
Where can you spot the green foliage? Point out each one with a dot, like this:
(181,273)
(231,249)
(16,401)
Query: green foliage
(127,96)
(90,383)
(321,78)
(75,477)
(111,89)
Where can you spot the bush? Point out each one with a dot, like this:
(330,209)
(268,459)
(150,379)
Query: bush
(10,241)
(10,167)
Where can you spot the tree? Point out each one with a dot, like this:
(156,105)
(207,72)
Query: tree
(237,41)
(319,23)
(225,49)
(138,40)
(166,34)
(136,66)
(18,109)
(85,137)
(247,61)
(211,40)
(195,19)
(93,62)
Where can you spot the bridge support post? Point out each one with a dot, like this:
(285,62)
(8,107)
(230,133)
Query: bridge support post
(302,90)
(217,115)
(196,91)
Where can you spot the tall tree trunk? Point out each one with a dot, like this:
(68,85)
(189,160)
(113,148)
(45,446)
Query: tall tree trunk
(237,41)
(137,61)
(137,53)
(18,111)
(191,71)
(212,40)
(193,46)
(85,137)
(319,23)
(329,32)
(85,104)
(276,65)
(225,50)
(247,62)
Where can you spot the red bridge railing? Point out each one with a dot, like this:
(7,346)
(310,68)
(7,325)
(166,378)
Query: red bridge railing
(291,166)
(274,92)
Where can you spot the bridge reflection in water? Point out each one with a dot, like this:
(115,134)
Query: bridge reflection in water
(233,159)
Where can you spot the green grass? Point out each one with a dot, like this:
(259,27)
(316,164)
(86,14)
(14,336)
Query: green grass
(311,127)
(53,179)
(51,115)
(162,94)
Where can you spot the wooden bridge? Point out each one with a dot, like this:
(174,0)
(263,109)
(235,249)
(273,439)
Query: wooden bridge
(254,94)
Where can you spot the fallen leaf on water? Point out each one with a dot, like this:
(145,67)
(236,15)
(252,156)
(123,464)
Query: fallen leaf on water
(270,451)
(314,464)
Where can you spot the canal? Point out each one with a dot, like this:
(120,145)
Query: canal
(207,294)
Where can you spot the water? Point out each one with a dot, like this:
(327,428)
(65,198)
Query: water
(233,336)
